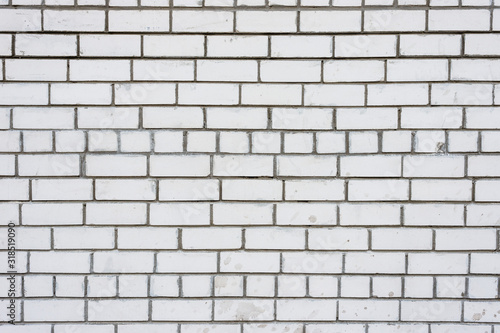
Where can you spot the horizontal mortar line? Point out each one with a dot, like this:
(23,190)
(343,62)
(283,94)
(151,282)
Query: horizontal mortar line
(251,59)
(248,83)
(294,106)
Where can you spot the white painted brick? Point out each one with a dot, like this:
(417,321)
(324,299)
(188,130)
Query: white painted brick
(60,262)
(441,190)
(362,310)
(211,238)
(334,95)
(234,142)
(255,262)
(144,93)
(110,45)
(73,20)
(394,20)
(379,166)
(147,238)
(83,238)
(298,142)
(176,117)
(378,190)
(321,166)
(242,214)
(482,44)
(175,165)
(7,165)
(490,141)
(81,93)
(123,262)
(369,214)
(271,94)
(301,118)
(402,239)
(118,310)
(357,46)
(318,310)
(330,21)
(236,46)
(338,239)
(353,71)
(301,46)
(461,94)
(200,262)
(422,310)
(208,94)
(6,45)
(483,166)
(230,310)
(125,189)
(49,165)
(23,94)
(430,45)
(174,45)
(398,94)
(250,166)
(99,70)
(202,21)
(54,310)
(275,238)
(436,117)
(226,70)
(465,239)
(461,20)
(116,165)
(306,214)
(476,70)
(290,71)
(62,189)
(417,70)
(375,263)
(363,142)
(89,117)
(252,190)
(266,21)
(437,263)
(201,142)
(487,190)
(260,285)
(10,141)
(434,214)
(433,166)
(168,142)
(20,19)
(35,70)
(190,190)
(321,190)
(139,20)
(182,310)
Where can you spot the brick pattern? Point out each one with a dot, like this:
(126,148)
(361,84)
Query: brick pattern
(252,166)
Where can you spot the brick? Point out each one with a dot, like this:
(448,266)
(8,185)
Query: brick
(461,94)
(202,21)
(330,21)
(237,118)
(275,238)
(89,117)
(271,94)
(421,310)
(436,117)
(369,214)
(437,263)
(23,94)
(380,166)
(229,310)
(262,21)
(182,310)
(375,263)
(394,20)
(353,71)
(242,214)
(465,239)
(398,94)
(434,214)
(487,191)
(441,190)
(338,239)
(99,70)
(359,46)
(306,214)
(430,45)
(35,70)
(479,44)
(302,118)
(205,262)
(476,70)
(144,93)
(236,46)
(401,239)
(118,310)
(317,310)
(176,165)
(21,19)
(62,189)
(189,190)
(211,238)
(226,70)
(81,93)
(249,166)
(60,262)
(125,189)
(123,262)
(254,262)
(73,20)
(334,95)
(433,166)
(378,190)
(483,166)
(290,71)
(301,166)
(208,94)
(459,20)
(54,310)
(6,45)
(115,165)
(252,190)
(300,46)
(417,70)
(361,310)
(174,45)
(308,190)
(83,238)
(110,46)
(311,262)
(139,20)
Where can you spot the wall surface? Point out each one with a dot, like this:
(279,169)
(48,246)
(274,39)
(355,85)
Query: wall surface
(250,166)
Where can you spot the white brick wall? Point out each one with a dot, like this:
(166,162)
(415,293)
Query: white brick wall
(251,166)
